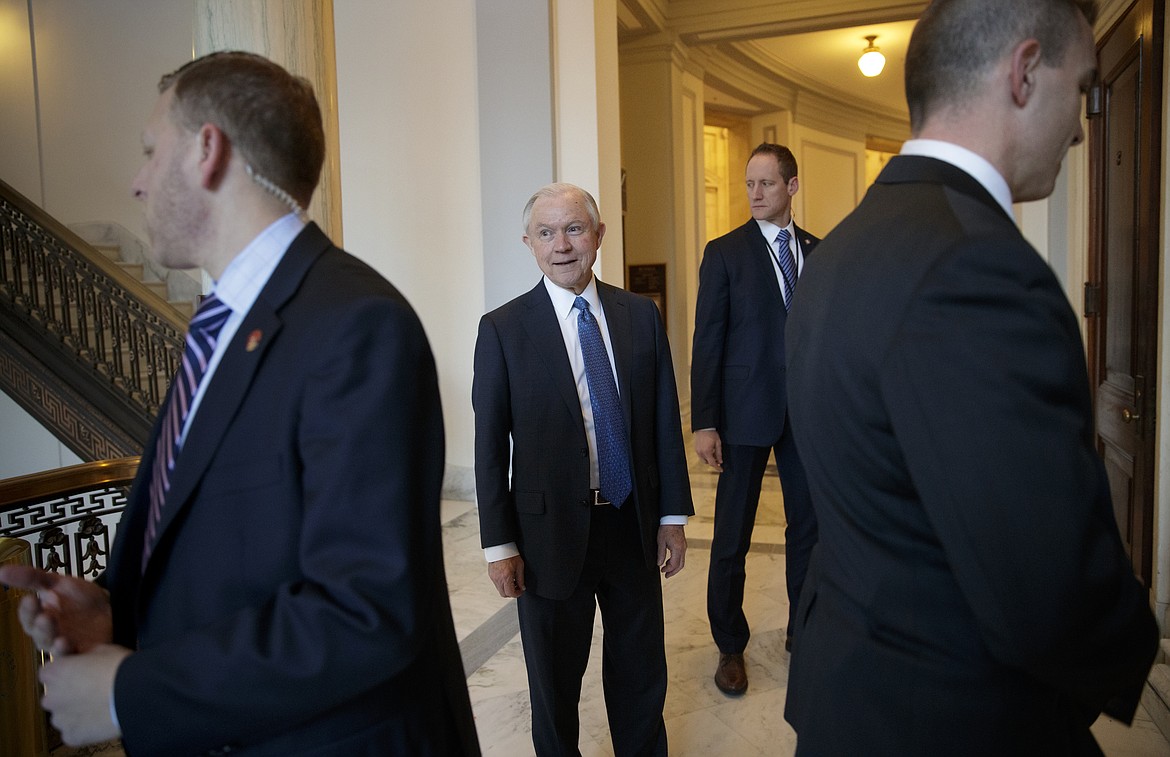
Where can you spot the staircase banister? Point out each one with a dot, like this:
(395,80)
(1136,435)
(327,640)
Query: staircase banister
(106,266)
(62,482)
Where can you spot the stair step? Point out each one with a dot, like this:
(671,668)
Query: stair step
(1165,650)
(159,288)
(111,251)
(137,270)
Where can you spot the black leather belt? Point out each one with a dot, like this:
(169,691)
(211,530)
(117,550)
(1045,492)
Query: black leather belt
(595,498)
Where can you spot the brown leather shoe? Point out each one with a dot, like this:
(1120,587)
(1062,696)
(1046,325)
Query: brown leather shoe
(731,675)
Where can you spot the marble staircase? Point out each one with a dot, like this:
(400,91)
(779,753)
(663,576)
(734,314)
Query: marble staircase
(141,273)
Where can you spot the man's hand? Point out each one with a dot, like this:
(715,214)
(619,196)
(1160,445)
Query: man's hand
(63,615)
(508,576)
(710,448)
(78,689)
(671,539)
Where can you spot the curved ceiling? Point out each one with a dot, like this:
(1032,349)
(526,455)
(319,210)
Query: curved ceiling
(810,45)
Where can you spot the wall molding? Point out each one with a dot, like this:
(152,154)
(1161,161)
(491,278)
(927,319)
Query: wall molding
(61,410)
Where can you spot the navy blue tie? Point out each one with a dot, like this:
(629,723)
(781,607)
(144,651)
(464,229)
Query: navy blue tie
(613,455)
(202,336)
(787,265)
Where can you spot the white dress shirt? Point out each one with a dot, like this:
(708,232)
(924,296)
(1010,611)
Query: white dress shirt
(238,288)
(972,163)
(770,230)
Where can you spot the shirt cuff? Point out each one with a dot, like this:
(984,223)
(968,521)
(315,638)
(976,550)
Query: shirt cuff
(673,520)
(501,552)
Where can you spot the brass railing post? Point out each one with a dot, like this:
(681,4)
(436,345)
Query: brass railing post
(22,721)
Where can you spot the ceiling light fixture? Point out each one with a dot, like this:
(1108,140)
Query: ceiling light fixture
(871,61)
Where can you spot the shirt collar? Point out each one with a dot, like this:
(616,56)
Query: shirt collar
(960,157)
(249,271)
(770,230)
(563,299)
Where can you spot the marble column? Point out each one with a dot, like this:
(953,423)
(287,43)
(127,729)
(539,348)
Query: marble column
(297,34)
(662,153)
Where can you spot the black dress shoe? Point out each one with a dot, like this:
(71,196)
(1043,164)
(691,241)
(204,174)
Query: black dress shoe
(731,675)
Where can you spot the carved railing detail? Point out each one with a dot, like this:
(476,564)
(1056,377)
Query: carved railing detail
(83,315)
(68,515)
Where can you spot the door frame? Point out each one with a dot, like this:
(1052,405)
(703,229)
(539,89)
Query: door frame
(1150,23)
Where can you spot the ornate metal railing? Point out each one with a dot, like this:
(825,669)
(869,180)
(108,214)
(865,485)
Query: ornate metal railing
(83,315)
(68,515)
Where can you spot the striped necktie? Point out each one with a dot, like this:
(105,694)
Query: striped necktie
(787,265)
(200,344)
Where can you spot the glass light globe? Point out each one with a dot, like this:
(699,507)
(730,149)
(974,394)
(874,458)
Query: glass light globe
(871,62)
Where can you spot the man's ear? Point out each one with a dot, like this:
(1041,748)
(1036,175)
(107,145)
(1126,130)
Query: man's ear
(793,186)
(1024,62)
(215,151)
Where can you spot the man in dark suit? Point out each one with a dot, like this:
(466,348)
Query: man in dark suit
(598,493)
(276,586)
(739,411)
(970,593)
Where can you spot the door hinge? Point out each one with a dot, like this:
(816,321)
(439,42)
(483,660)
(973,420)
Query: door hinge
(1092,300)
(1094,100)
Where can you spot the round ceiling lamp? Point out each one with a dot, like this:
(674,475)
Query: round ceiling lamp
(871,61)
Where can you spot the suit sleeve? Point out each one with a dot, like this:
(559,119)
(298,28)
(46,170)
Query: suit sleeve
(359,605)
(988,397)
(712,310)
(490,399)
(672,457)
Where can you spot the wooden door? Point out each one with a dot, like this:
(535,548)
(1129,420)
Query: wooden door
(1121,296)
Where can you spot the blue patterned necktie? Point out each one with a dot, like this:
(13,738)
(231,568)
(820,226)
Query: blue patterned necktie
(200,344)
(613,456)
(787,265)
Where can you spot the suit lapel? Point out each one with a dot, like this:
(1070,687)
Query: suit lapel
(617,319)
(759,262)
(543,327)
(236,370)
(807,243)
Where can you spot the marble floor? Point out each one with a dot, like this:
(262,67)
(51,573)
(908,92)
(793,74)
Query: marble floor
(700,720)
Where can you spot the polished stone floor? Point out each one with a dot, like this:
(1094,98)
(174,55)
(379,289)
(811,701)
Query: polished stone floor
(699,719)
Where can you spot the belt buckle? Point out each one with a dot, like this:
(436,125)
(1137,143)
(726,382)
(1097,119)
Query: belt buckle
(595,495)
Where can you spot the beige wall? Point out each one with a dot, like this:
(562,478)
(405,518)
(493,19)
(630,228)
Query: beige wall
(70,125)
(662,148)
(832,178)
(409,121)
(96,76)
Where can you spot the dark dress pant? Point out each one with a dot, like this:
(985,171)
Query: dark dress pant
(737,498)
(557,635)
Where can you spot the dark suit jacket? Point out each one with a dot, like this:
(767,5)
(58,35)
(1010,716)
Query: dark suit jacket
(737,361)
(524,392)
(970,593)
(296,598)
